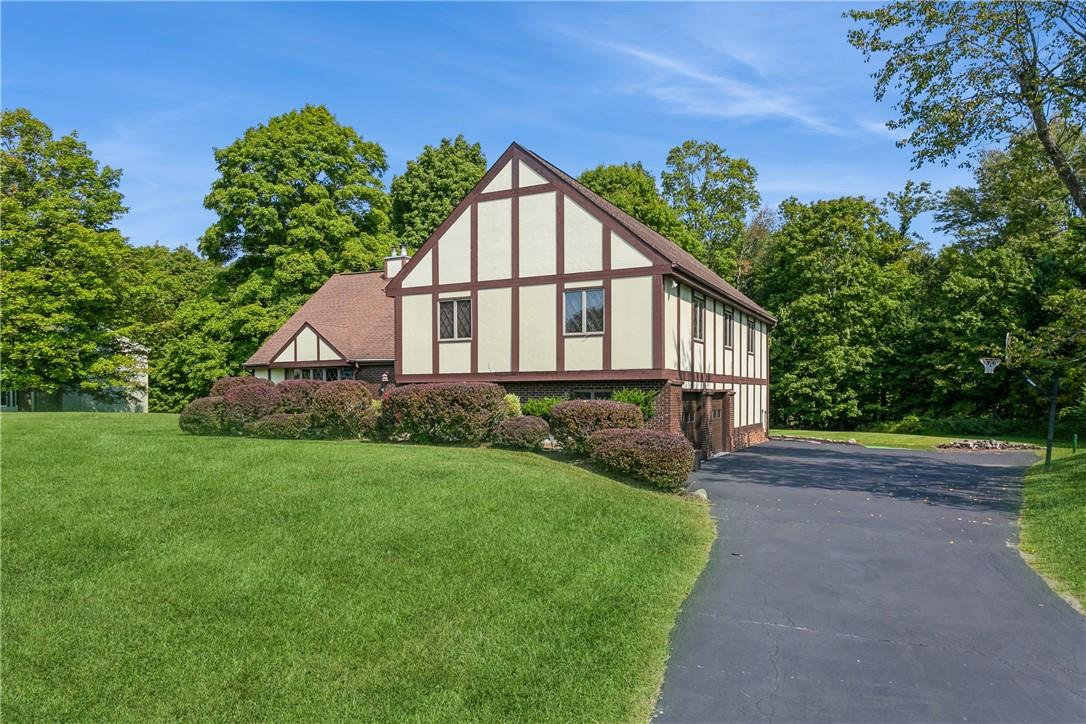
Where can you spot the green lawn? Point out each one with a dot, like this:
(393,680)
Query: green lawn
(1054,523)
(152,575)
(1060,447)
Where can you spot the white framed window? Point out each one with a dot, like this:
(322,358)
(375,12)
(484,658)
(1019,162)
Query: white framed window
(698,322)
(454,319)
(584,311)
(729,329)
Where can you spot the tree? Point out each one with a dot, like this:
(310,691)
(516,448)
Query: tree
(631,188)
(159,282)
(975,73)
(910,202)
(713,194)
(426,193)
(298,199)
(754,244)
(841,281)
(61,282)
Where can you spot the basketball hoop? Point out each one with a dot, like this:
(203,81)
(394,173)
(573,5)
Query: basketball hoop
(990,364)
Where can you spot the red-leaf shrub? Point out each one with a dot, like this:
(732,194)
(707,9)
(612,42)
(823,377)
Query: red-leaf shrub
(525,432)
(662,458)
(450,412)
(281,426)
(224,384)
(572,422)
(295,395)
(248,403)
(342,408)
(202,416)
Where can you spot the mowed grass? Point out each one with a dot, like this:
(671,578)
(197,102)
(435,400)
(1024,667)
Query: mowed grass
(1060,446)
(1054,523)
(152,575)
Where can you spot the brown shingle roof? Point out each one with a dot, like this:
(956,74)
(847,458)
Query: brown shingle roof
(683,261)
(350,311)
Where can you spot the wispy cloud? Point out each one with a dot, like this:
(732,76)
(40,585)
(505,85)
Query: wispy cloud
(690,89)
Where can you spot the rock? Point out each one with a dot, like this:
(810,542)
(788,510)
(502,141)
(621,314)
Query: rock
(700,493)
(852,441)
(985,445)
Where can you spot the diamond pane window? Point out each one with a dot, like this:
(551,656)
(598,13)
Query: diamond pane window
(463,318)
(447,331)
(584,311)
(593,310)
(699,317)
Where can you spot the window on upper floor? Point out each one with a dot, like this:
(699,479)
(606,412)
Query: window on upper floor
(699,317)
(454,319)
(729,328)
(584,311)
(750,336)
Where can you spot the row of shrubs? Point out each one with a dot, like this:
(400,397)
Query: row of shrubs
(975,426)
(609,431)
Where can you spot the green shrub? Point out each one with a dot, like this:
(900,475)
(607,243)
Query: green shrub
(541,406)
(512,405)
(221,386)
(644,399)
(281,426)
(573,421)
(295,395)
(452,412)
(526,432)
(661,458)
(342,409)
(243,404)
(202,416)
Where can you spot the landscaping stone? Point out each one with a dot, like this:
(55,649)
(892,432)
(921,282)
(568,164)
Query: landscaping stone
(700,493)
(985,445)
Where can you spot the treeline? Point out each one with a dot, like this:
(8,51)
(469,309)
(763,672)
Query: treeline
(875,324)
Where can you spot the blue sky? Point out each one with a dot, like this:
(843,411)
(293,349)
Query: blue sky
(153,88)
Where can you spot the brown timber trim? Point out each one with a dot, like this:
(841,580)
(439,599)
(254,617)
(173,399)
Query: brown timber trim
(435,346)
(475,279)
(514,292)
(687,376)
(658,320)
(607,337)
(571,278)
(560,279)
(570,376)
(397,331)
(293,342)
(515,191)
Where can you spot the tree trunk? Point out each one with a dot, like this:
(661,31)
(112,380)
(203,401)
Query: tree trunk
(22,402)
(1058,159)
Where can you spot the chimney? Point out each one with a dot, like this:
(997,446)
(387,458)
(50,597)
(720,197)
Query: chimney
(395,262)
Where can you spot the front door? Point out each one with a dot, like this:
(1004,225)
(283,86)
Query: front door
(718,423)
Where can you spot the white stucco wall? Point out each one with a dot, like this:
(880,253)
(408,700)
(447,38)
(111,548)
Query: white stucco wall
(417,334)
(537,234)
(631,323)
(495,330)
(495,239)
(538,328)
(583,240)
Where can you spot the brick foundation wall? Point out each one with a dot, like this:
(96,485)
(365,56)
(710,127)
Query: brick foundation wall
(372,373)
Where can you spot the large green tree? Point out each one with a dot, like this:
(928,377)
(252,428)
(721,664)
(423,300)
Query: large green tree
(841,280)
(967,74)
(633,189)
(426,193)
(61,278)
(714,194)
(298,198)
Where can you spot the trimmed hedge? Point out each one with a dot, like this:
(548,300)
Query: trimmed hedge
(223,385)
(512,405)
(644,399)
(526,432)
(572,422)
(540,406)
(661,458)
(342,408)
(448,412)
(296,395)
(202,416)
(243,404)
(281,426)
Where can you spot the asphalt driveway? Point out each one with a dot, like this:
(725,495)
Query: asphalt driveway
(859,585)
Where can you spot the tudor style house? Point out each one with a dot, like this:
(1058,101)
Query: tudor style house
(538,284)
(344,331)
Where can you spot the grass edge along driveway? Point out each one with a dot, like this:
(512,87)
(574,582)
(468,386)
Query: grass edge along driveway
(153,575)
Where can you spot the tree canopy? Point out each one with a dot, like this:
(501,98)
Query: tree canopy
(970,74)
(61,284)
(713,194)
(427,192)
(298,198)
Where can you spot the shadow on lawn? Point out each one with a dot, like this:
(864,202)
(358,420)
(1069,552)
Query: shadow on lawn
(981,482)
